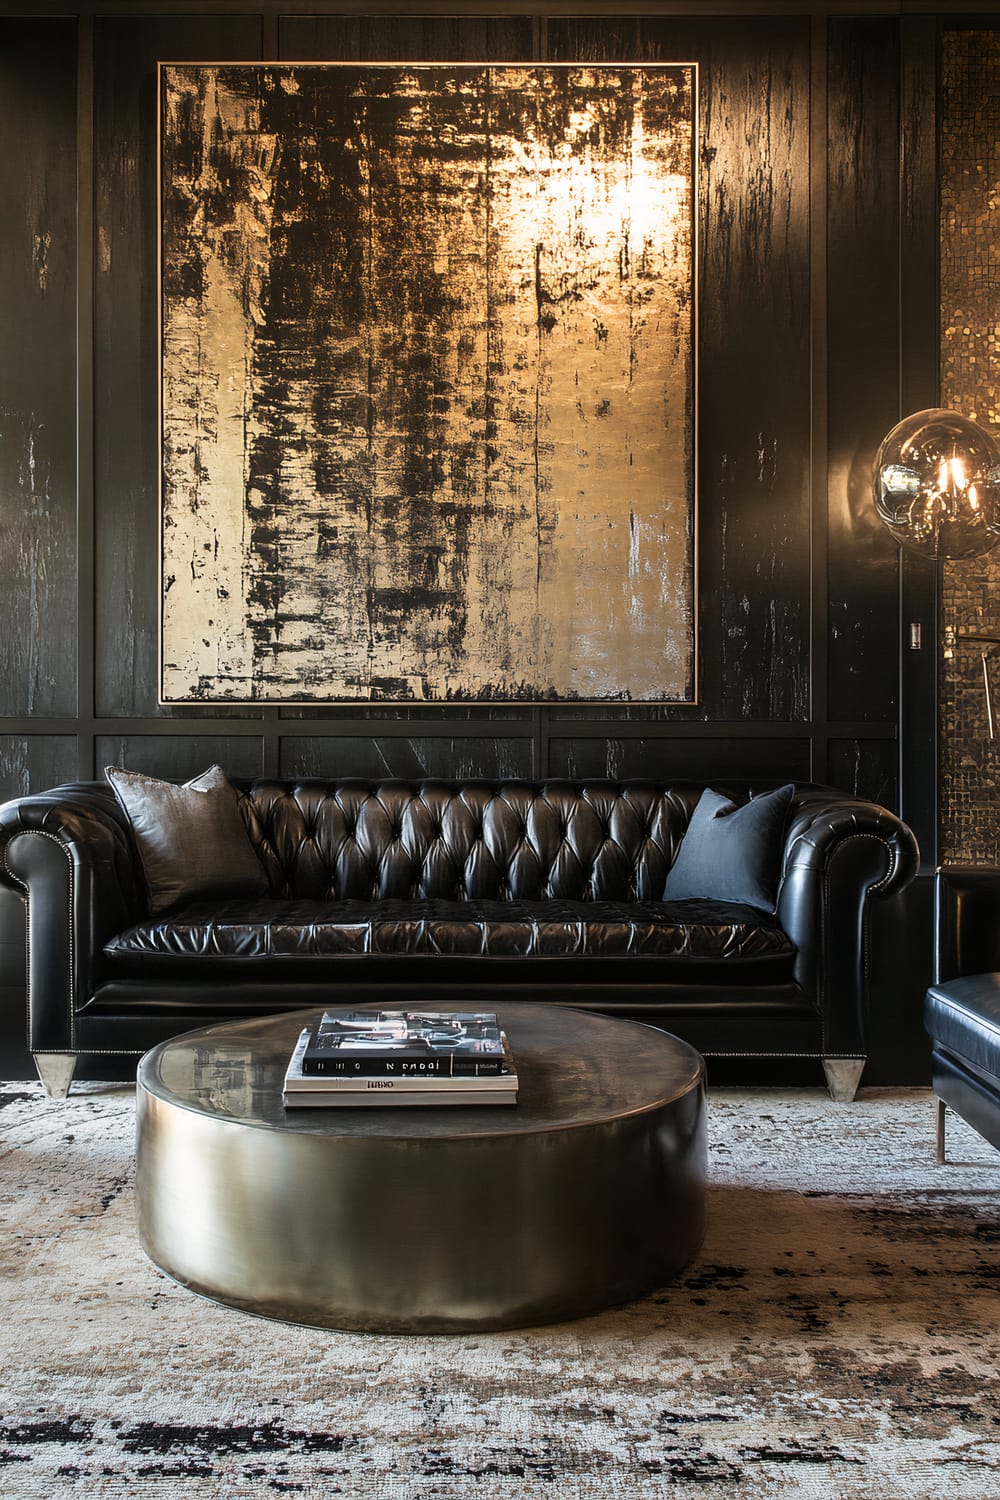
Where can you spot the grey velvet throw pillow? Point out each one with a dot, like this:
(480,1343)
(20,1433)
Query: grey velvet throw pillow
(732,853)
(192,839)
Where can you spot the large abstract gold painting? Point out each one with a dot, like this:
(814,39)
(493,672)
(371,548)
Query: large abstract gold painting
(427,383)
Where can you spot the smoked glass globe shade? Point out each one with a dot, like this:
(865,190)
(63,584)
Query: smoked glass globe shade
(937,485)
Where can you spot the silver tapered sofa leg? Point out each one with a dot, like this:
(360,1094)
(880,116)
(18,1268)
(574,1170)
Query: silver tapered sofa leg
(843,1074)
(55,1069)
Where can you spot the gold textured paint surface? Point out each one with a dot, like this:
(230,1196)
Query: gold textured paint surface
(428,383)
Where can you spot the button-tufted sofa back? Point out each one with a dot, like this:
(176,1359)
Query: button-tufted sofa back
(469,840)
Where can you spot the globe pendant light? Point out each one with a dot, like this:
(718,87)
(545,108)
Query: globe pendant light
(937,485)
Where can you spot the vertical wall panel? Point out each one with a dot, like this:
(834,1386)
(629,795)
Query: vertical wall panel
(754,374)
(405,38)
(863,363)
(678,759)
(406,758)
(865,767)
(920,188)
(126,338)
(177,757)
(34,762)
(38,368)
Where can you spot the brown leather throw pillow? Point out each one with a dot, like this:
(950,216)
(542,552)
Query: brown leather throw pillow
(191,839)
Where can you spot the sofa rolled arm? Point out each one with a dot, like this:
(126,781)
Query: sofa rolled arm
(966,921)
(840,853)
(69,854)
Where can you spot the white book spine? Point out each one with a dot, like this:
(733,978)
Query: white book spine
(411,1099)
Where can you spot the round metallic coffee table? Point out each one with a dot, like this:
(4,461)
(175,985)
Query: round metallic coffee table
(588,1193)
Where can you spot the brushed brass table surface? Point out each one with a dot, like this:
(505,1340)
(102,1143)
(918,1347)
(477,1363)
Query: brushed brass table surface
(588,1193)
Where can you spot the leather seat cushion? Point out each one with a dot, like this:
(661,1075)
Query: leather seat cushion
(260,930)
(962,1016)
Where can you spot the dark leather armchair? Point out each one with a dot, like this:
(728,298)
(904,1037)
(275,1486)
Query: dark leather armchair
(962,1009)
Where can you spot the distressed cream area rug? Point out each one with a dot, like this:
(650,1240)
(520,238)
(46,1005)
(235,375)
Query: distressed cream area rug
(838,1337)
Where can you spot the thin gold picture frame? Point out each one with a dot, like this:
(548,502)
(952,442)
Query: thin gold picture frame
(619,695)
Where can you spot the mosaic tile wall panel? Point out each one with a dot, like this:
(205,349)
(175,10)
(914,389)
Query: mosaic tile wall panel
(427,383)
(970,383)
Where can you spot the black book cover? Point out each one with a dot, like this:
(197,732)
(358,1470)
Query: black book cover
(452,1044)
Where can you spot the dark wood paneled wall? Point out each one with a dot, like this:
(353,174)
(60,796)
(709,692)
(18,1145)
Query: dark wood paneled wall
(38,251)
(803,295)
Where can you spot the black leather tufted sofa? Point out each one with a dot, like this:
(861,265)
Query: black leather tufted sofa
(454,893)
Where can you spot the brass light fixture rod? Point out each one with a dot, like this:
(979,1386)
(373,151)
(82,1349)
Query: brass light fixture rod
(981,638)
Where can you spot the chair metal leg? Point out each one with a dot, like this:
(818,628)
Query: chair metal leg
(843,1074)
(55,1069)
(939,1132)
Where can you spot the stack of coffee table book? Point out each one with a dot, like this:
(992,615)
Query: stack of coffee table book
(359,1058)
